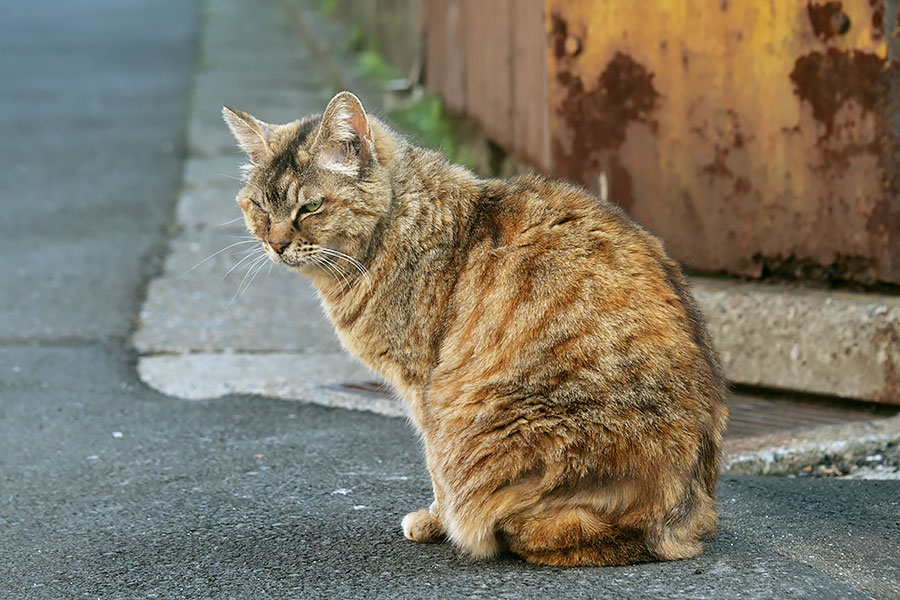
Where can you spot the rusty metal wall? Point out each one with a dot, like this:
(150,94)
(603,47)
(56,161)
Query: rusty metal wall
(753,137)
(748,135)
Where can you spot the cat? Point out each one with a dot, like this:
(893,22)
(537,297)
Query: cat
(549,353)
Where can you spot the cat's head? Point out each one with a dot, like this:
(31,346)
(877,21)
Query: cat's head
(314,187)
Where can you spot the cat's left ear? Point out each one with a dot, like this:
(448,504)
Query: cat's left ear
(344,143)
(252,134)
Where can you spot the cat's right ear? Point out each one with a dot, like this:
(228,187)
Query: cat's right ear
(252,134)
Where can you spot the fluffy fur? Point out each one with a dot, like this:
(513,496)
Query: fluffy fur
(551,357)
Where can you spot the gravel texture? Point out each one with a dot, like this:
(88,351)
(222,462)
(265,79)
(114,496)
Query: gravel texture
(884,464)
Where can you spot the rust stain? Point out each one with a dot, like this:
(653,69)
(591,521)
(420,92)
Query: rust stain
(742,186)
(732,139)
(827,19)
(877,7)
(718,167)
(596,115)
(806,184)
(828,80)
(559,32)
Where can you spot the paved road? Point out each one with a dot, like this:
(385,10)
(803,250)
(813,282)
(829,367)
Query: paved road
(253,498)
(109,489)
(91,114)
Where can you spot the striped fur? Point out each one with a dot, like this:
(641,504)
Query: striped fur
(551,357)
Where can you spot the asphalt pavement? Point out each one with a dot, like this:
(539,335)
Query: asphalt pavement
(110,488)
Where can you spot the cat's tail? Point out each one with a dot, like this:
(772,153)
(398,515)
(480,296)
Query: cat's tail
(590,533)
(570,537)
(680,533)
(607,529)
(574,537)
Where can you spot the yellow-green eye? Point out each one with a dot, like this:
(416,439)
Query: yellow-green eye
(311,206)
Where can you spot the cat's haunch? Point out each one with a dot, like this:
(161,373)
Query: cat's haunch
(548,350)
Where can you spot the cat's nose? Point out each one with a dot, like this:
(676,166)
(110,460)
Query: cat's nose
(278,247)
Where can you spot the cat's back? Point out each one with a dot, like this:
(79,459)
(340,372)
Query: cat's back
(532,213)
(560,282)
(553,233)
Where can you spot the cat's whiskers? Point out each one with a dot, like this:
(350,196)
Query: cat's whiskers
(317,262)
(253,253)
(241,289)
(219,252)
(230,177)
(359,266)
(230,222)
(253,271)
(355,263)
(336,271)
(343,270)
(262,265)
(327,265)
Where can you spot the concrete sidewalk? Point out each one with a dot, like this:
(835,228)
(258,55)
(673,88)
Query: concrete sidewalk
(219,322)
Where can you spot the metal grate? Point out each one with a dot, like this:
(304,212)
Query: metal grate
(749,415)
(755,415)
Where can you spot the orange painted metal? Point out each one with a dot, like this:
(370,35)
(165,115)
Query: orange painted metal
(753,137)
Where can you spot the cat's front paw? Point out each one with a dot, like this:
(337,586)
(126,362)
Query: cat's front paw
(422,526)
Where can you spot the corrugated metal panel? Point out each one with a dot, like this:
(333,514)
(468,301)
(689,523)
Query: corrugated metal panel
(488,60)
(443,23)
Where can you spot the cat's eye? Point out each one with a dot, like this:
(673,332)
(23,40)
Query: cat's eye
(312,206)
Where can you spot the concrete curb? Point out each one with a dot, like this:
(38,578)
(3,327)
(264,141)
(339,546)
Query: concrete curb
(284,375)
(784,337)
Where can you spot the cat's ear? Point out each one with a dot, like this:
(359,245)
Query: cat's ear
(252,134)
(344,143)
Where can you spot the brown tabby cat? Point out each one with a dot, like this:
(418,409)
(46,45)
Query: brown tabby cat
(548,350)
